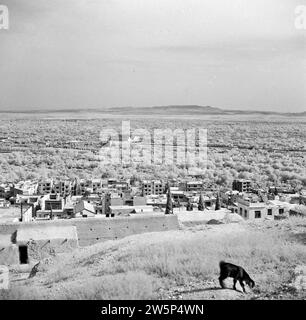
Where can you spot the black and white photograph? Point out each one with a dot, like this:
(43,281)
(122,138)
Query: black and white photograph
(153,150)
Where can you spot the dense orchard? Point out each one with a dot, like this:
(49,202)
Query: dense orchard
(266,152)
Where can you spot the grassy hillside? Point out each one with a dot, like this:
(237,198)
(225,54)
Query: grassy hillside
(176,264)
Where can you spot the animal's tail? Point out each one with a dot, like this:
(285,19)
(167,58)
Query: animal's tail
(221,263)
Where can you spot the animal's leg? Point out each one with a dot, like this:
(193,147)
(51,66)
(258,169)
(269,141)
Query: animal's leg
(221,278)
(242,285)
(234,286)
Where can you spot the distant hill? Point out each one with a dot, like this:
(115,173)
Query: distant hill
(165,110)
(168,110)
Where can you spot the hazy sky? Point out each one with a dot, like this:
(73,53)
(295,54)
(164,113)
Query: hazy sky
(243,54)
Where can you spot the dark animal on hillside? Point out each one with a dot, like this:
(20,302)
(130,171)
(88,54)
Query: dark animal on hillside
(236,272)
(34,270)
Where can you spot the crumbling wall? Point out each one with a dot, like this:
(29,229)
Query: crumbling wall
(9,255)
(9,228)
(47,239)
(38,250)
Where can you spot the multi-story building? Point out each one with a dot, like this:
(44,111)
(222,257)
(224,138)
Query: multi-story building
(147,188)
(190,186)
(194,186)
(45,187)
(155,187)
(158,187)
(120,185)
(66,188)
(96,185)
(283,188)
(242,185)
(85,185)
(63,187)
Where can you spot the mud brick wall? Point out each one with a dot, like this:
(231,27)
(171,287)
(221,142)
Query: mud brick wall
(94,230)
(39,250)
(9,255)
(9,228)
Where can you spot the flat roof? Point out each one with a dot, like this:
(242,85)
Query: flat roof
(177,192)
(49,211)
(194,182)
(150,181)
(131,207)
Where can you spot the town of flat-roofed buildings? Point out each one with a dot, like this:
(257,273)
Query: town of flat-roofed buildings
(53,199)
(58,216)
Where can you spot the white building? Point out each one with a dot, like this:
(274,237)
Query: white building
(249,208)
(4,203)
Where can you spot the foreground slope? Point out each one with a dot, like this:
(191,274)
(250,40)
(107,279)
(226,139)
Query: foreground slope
(179,264)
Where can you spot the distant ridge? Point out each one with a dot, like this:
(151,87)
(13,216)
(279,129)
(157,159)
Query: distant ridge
(163,110)
(180,109)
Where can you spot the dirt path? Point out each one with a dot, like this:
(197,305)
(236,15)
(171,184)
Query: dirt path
(204,290)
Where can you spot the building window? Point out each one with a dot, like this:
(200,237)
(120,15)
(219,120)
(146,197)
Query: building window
(245,213)
(281,211)
(257,214)
(269,212)
(241,211)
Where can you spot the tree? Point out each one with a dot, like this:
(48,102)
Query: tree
(87,193)
(169,205)
(201,205)
(189,205)
(218,205)
(78,190)
(51,213)
(107,201)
